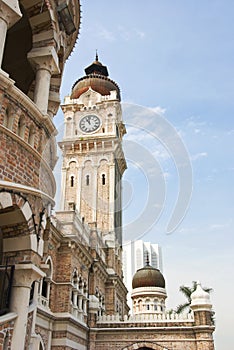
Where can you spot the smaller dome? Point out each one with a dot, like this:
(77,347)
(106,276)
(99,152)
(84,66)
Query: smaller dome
(148,276)
(200,297)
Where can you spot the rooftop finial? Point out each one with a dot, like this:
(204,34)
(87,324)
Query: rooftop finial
(96,55)
(147,258)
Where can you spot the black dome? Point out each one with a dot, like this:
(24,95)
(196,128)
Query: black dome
(148,276)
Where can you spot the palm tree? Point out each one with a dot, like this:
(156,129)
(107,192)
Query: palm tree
(187,291)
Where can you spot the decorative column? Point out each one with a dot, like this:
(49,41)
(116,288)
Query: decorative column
(74,301)
(45,62)
(9,15)
(24,275)
(80,298)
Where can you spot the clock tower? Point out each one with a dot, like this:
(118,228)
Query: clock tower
(93,159)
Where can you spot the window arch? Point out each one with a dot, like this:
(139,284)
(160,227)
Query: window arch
(103,179)
(21,127)
(31,136)
(147,304)
(72,181)
(45,285)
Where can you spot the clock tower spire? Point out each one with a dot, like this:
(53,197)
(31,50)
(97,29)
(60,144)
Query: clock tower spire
(93,159)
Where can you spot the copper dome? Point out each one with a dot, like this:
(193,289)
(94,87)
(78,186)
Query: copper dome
(148,276)
(97,79)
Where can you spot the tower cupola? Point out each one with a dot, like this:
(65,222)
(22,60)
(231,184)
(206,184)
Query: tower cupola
(97,79)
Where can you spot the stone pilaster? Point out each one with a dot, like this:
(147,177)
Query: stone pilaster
(45,62)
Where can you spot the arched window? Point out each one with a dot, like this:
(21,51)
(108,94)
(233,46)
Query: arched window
(87,180)
(45,285)
(5,120)
(21,127)
(147,304)
(72,181)
(103,179)
(31,136)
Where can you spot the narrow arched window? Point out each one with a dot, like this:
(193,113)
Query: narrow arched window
(103,179)
(87,180)
(21,127)
(31,136)
(72,181)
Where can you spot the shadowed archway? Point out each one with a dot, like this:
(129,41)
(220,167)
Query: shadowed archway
(146,346)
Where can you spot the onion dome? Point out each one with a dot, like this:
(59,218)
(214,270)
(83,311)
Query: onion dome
(97,79)
(148,276)
(200,297)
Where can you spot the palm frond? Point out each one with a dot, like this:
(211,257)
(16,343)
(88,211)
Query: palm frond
(180,308)
(187,291)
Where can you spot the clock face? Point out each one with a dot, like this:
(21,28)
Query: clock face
(89,123)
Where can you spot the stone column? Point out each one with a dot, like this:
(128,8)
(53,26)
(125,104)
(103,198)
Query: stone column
(74,301)
(80,298)
(85,306)
(9,15)
(45,62)
(24,275)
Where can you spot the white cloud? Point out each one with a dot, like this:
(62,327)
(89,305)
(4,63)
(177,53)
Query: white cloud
(125,34)
(140,34)
(159,110)
(218,227)
(199,155)
(106,34)
(230,132)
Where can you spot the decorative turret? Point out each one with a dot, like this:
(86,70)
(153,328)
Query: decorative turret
(201,306)
(200,299)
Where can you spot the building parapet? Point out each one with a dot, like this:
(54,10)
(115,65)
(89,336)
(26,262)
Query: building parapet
(140,318)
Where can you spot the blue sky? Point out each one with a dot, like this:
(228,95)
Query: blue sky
(177,59)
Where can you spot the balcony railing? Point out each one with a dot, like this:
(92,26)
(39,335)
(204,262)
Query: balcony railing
(6,278)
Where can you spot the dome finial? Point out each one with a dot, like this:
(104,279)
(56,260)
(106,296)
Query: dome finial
(96,55)
(147,258)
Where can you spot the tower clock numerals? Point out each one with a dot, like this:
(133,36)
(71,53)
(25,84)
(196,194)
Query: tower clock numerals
(89,123)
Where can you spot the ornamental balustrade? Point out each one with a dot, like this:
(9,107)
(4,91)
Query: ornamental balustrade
(166,317)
